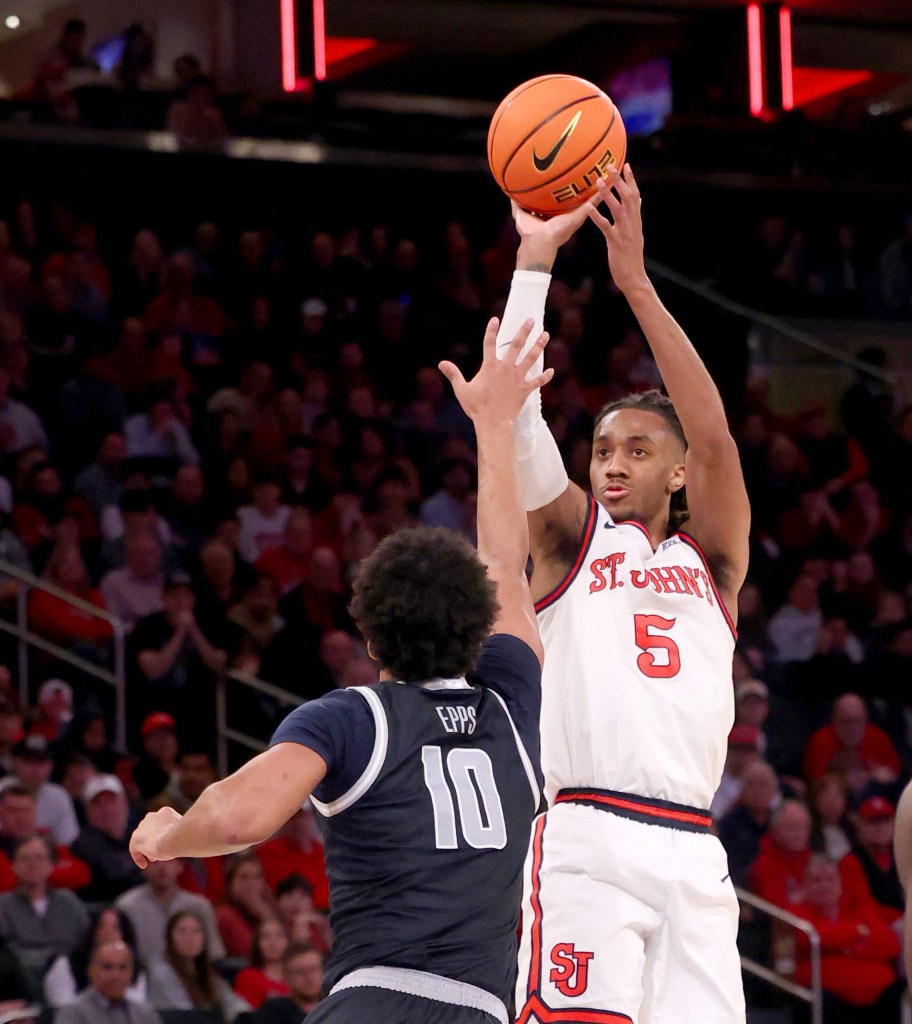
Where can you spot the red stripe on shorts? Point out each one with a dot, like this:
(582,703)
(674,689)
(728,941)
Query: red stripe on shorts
(665,813)
(535,1007)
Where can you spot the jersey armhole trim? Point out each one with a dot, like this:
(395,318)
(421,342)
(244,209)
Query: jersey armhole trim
(691,543)
(378,756)
(585,542)
(523,753)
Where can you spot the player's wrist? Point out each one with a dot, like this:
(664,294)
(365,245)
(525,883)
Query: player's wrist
(536,253)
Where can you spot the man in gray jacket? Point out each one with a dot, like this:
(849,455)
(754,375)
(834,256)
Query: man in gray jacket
(104,1002)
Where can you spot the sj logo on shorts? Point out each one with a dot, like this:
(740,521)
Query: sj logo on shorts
(567,963)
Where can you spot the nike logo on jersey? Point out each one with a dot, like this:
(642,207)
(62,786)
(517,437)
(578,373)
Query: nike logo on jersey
(542,163)
(457,719)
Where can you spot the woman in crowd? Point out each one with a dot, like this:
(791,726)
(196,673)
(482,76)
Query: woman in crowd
(56,619)
(184,978)
(828,801)
(246,903)
(265,977)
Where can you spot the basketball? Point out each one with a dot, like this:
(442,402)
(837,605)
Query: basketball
(551,138)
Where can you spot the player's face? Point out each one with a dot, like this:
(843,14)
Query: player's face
(637,464)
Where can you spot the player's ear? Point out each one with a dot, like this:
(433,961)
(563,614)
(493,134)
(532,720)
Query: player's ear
(370,653)
(676,479)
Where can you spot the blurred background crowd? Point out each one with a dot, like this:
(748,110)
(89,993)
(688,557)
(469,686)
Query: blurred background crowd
(205,425)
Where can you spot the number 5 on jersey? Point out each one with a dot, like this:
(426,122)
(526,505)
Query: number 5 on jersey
(651,662)
(480,810)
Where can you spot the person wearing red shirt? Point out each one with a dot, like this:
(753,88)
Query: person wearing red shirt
(778,873)
(264,978)
(297,850)
(850,730)
(54,618)
(872,857)
(18,821)
(289,564)
(859,951)
(246,902)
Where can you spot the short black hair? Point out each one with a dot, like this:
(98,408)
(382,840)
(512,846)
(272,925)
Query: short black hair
(425,603)
(293,883)
(659,403)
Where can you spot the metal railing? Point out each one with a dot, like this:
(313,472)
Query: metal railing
(812,995)
(775,324)
(224,732)
(115,677)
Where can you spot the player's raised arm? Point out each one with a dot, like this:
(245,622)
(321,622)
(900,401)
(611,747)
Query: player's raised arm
(716,495)
(556,507)
(492,400)
(902,852)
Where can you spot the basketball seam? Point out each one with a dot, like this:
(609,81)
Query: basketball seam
(505,105)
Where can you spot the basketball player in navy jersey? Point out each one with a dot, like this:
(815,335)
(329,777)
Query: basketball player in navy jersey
(629,913)
(427,781)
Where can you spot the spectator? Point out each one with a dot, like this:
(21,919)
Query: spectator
(256,617)
(297,850)
(20,426)
(58,620)
(147,774)
(32,765)
(196,118)
(858,950)
(150,906)
(88,734)
(184,978)
(795,627)
(157,433)
(752,704)
(777,874)
(299,917)
(289,562)
(19,821)
(193,772)
(265,977)
(54,710)
(850,730)
(111,970)
(246,902)
(68,976)
(744,742)
(828,801)
(263,522)
(448,505)
(134,591)
(303,971)
(895,272)
(187,512)
(742,829)
(104,840)
(74,772)
(136,67)
(40,923)
(101,482)
(873,855)
(176,660)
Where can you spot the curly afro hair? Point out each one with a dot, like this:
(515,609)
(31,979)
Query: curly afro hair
(659,403)
(425,603)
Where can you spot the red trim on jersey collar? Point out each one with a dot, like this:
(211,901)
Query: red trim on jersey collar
(690,542)
(585,541)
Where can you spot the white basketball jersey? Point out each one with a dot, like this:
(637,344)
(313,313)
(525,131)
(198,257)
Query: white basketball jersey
(637,690)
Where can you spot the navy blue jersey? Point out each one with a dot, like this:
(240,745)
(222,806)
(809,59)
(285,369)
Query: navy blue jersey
(427,806)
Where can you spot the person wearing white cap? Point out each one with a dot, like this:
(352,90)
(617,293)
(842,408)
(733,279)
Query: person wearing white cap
(103,842)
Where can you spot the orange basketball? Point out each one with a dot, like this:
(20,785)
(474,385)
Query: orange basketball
(550,140)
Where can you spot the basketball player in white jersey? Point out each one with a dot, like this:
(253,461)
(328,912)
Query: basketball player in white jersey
(902,852)
(629,913)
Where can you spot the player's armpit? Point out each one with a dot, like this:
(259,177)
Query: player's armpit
(554,538)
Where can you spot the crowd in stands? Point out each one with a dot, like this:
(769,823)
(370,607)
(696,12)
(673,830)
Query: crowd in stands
(205,436)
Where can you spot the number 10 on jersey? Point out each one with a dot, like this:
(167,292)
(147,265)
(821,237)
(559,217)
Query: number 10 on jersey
(481,814)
